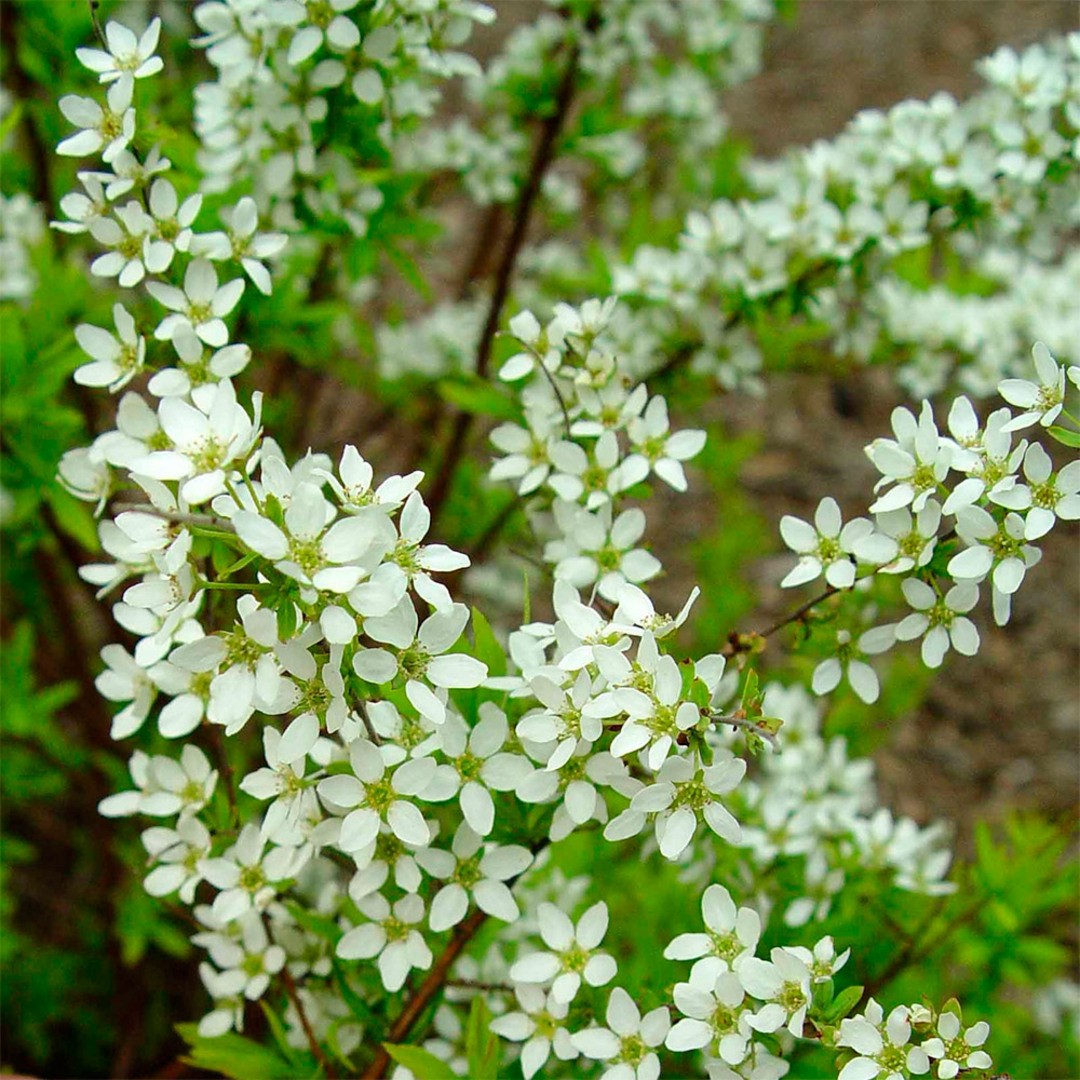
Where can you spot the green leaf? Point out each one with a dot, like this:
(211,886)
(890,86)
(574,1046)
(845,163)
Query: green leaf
(277,1029)
(422,1064)
(488,649)
(843,1003)
(357,1006)
(234,1056)
(481,1046)
(478,397)
(1065,436)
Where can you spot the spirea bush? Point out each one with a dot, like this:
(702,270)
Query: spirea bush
(431,841)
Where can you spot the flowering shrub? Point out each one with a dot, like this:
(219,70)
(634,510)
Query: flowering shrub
(378,807)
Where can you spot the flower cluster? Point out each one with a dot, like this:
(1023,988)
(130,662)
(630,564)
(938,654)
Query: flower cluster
(411,780)
(989,181)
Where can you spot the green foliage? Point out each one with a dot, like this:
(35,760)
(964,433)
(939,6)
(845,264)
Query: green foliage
(421,1063)
(241,1059)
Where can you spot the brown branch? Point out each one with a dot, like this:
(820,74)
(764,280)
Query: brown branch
(542,158)
(313,1043)
(418,1002)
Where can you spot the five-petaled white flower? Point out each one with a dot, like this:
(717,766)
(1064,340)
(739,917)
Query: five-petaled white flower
(628,1044)
(539,1024)
(392,936)
(939,620)
(374,796)
(1041,401)
(882,1045)
(465,869)
(573,954)
(128,55)
(954,1051)
(107,129)
(200,305)
(826,545)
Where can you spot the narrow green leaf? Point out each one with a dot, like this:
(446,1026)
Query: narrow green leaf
(844,1002)
(481,1046)
(422,1064)
(488,649)
(1065,436)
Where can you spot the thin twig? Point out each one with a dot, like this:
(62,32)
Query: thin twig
(94,5)
(542,158)
(313,1043)
(418,1001)
(737,721)
(478,984)
(209,521)
(373,735)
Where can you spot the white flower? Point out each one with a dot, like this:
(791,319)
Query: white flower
(242,243)
(628,1042)
(107,129)
(172,222)
(283,779)
(539,1025)
(252,956)
(784,982)
(940,620)
(992,547)
(115,361)
(656,714)
(915,537)
(732,934)
(596,479)
(127,55)
(246,876)
(132,254)
(569,714)
(416,562)
(200,305)
(541,346)
(823,546)
(1041,401)
(420,655)
(476,764)
(391,936)
(1051,496)
(881,1045)
(658,450)
(206,437)
(354,490)
(711,1005)
(375,797)
(954,1051)
(125,680)
(178,853)
(573,954)
(332,559)
(465,870)
(682,795)
(595,550)
(164,786)
(916,461)
(340,31)
(860,675)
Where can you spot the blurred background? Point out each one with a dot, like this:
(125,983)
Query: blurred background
(94,971)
